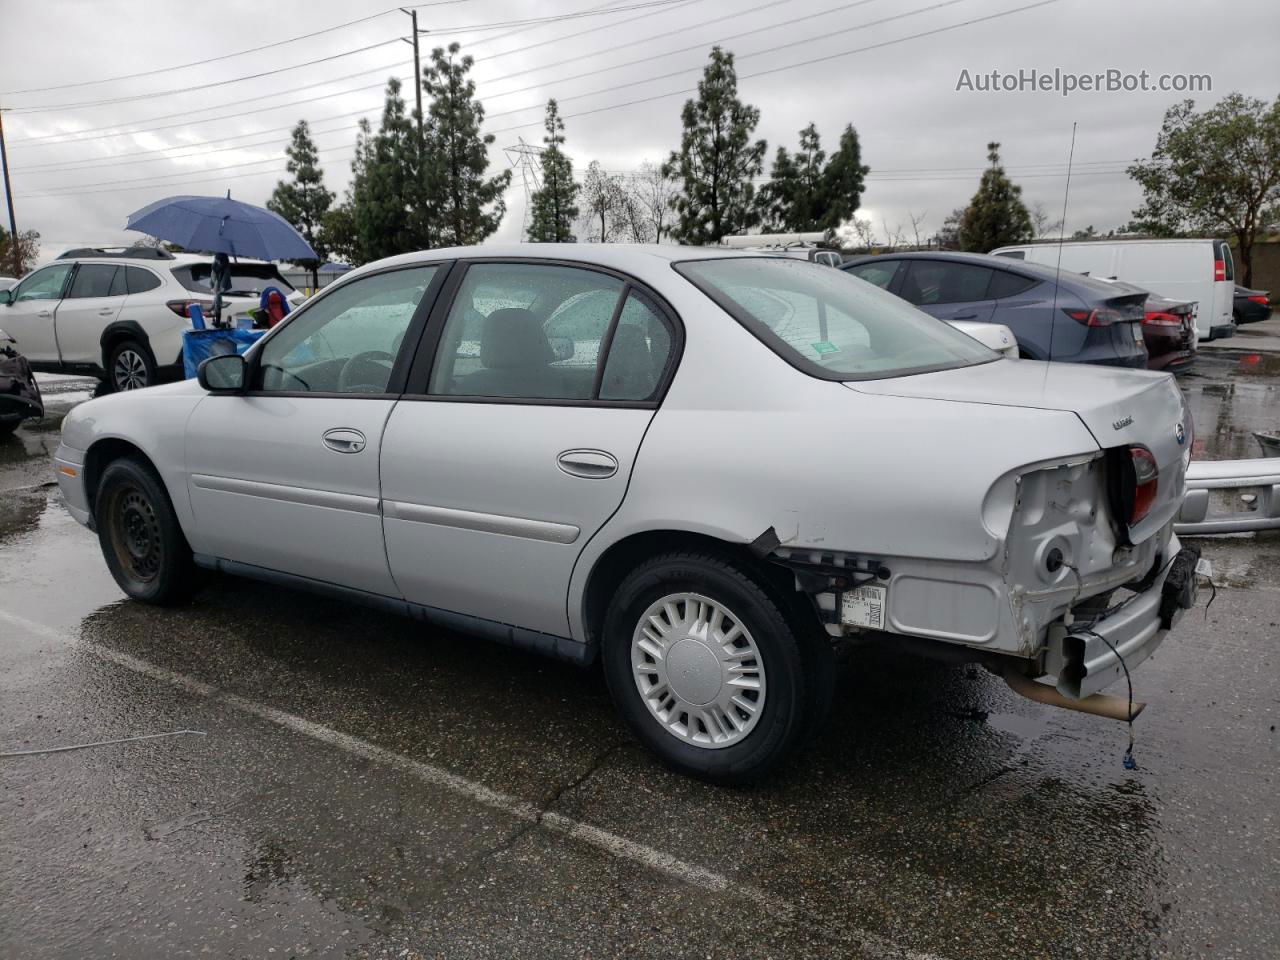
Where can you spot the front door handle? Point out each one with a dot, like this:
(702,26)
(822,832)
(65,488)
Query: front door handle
(45,313)
(106,312)
(344,440)
(588,464)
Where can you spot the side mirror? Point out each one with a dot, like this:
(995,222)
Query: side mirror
(6,297)
(224,374)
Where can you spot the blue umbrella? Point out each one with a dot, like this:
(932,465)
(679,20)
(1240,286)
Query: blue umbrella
(222,225)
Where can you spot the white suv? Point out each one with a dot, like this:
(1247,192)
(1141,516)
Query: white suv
(120,315)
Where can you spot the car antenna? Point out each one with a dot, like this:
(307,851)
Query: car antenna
(1062,235)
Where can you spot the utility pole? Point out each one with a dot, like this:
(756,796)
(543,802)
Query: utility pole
(8,198)
(417,69)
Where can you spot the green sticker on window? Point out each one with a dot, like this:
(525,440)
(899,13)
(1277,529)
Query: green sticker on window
(824,346)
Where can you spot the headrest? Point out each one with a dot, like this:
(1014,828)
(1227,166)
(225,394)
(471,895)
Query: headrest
(513,337)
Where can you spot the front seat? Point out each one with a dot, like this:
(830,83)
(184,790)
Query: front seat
(514,358)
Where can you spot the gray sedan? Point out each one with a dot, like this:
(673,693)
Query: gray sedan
(704,468)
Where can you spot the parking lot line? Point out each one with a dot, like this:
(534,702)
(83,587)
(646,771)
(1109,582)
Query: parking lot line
(874,946)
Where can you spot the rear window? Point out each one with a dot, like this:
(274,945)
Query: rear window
(1012,254)
(247,279)
(829,324)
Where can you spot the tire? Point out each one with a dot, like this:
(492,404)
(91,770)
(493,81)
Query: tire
(704,724)
(141,539)
(130,366)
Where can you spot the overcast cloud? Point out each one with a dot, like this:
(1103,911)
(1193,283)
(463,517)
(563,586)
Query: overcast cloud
(925,142)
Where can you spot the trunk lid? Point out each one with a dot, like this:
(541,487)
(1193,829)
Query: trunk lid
(1119,407)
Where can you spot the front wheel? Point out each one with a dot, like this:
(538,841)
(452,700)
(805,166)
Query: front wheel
(141,539)
(705,668)
(130,367)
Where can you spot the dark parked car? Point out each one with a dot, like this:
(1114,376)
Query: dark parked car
(1089,321)
(1250,306)
(1169,331)
(19,393)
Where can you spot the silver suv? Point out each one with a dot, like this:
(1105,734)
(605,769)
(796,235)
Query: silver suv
(120,314)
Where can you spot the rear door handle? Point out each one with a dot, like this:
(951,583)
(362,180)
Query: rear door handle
(106,312)
(344,440)
(45,313)
(588,464)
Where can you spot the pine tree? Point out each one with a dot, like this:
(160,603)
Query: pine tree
(470,206)
(554,206)
(843,180)
(304,201)
(996,215)
(384,184)
(795,199)
(717,159)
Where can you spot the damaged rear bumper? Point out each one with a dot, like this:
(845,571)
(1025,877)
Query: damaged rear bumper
(1086,656)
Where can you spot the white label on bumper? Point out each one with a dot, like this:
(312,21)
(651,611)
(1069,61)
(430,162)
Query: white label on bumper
(864,607)
(1204,568)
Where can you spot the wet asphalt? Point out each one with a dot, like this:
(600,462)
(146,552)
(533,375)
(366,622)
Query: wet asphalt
(364,786)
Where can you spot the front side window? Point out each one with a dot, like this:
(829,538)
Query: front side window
(525,330)
(44,284)
(348,340)
(879,272)
(92,280)
(828,324)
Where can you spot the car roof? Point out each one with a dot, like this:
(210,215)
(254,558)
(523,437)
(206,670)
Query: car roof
(952,256)
(604,254)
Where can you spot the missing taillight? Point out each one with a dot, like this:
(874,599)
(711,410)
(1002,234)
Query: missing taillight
(1146,475)
(1133,479)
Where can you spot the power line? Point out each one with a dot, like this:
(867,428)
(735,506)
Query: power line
(790,66)
(185,183)
(555,18)
(228,56)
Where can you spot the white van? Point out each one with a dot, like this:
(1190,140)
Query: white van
(1196,270)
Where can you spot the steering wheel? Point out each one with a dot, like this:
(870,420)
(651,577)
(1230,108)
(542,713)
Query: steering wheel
(366,372)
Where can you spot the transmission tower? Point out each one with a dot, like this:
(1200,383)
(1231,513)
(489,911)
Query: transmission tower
(527,158)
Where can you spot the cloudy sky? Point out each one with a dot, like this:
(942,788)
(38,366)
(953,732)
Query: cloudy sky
(88,143)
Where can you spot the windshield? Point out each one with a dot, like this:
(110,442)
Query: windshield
(831,324)
(247,279)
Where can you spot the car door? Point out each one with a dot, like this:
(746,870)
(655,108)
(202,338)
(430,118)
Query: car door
(948,290)
(515,445)
(28,317)
(285,477)
(93,301)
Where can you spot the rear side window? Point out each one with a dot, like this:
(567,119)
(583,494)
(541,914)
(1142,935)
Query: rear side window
(830,325)
(92,280)
(545,332)
(1005,284)
(139,280)
(936,281)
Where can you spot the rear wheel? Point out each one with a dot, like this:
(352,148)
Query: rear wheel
(706,669)
(141,540)
(130,366)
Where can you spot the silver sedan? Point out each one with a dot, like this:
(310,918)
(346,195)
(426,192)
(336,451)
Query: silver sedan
(704,467)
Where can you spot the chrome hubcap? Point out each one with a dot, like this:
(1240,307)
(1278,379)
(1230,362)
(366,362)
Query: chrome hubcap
(698,670)
(130,370)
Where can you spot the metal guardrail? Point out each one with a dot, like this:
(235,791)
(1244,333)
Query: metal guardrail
(1258,503)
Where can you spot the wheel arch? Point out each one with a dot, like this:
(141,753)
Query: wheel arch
(119,330)
(621,557)
(102,453)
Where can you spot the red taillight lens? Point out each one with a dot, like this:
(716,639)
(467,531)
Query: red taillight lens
(1091,318)
(1156,319)
(1261,300)
(1146,475)
(180,307)
(1219,269)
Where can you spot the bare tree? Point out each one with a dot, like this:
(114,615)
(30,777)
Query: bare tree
(858,233)
(917,222)
(601,201)
(893,238)
(1042,226)
(652,191)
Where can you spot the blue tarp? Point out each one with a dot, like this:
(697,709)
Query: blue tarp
(200,345)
